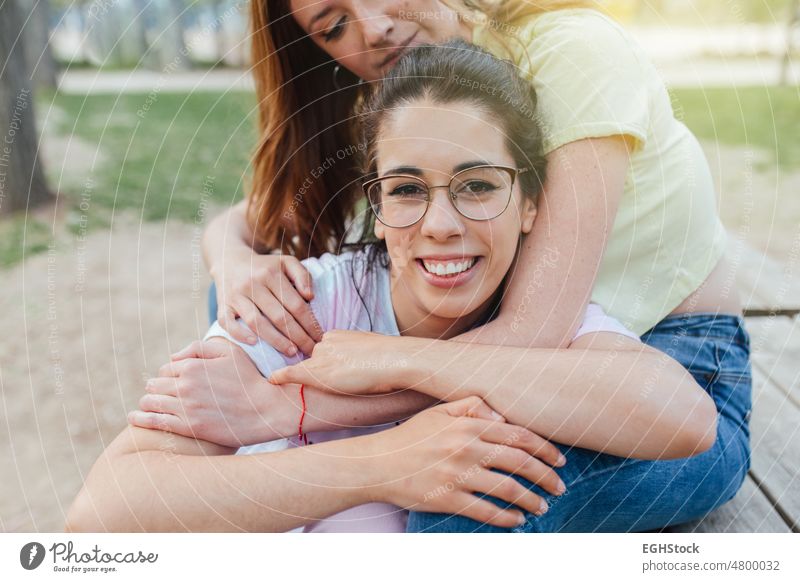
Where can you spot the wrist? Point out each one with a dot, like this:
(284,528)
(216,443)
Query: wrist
(429,370)
(279,410)
(370,468)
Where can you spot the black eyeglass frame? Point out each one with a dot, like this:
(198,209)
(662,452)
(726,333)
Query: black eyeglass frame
(514,172)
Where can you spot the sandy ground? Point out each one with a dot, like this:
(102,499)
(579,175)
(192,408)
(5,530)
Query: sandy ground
(85,324)
(88,321)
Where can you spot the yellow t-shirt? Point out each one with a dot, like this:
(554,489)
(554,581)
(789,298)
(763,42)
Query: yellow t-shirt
(593,80)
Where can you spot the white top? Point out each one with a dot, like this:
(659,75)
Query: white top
(337,282)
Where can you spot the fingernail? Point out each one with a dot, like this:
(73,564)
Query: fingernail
(251,339)
(562,460)
(521,519)
(292,351)
(561,487)
(543,507)
(497,416)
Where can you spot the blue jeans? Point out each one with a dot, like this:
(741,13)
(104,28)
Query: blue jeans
(212,303)
(614,494)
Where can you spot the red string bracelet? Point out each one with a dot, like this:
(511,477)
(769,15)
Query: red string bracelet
(300,435)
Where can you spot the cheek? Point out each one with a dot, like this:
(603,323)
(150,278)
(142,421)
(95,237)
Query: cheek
(398,244)
(502,239)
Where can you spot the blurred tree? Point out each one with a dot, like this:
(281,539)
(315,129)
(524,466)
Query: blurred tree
(37,45)
(22,181)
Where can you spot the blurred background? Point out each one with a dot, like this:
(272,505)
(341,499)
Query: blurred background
(132,123)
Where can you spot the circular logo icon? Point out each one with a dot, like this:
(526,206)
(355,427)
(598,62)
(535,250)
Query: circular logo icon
(31,555)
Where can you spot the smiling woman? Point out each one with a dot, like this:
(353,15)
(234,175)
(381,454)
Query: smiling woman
(395,282)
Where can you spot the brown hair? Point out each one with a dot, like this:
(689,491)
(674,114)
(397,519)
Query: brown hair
(303,120)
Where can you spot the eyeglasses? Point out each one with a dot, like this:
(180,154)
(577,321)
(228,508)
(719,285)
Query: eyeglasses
(477,193)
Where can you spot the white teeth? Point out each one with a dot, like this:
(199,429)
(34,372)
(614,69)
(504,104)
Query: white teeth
(450,268)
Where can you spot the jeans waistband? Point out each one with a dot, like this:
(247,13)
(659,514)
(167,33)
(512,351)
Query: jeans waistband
(704,325)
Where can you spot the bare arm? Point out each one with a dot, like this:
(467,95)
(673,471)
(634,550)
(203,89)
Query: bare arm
(607,393)
(559,260)
(227,234)
(148,480)
(217,394)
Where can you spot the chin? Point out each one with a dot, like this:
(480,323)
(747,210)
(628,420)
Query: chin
(450,308)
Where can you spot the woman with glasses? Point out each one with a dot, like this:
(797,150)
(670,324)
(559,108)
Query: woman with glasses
(454,175)
(627,218)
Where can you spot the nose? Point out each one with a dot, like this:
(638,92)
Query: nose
(376,26)
(442,220)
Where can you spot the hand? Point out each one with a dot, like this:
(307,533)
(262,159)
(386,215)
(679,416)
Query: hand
(215,393)
(441,457)
(270,294)
(350,362)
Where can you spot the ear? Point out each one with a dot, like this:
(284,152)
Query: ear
(527,215)
(380,230)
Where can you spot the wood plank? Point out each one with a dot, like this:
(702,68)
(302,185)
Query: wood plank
(749,512)
(764,283)
(775,442)
(775,344)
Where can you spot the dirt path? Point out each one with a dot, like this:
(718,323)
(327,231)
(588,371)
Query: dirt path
(84,325)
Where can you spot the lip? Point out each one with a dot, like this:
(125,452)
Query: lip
(448,282)
(397,53)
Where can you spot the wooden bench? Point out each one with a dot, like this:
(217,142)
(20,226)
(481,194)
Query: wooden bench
(769,500)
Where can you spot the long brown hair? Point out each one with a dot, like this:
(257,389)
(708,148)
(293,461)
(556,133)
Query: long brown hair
(304,171)
(303,122)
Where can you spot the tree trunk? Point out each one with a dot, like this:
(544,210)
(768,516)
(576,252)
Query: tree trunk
(37,42)
(22,182)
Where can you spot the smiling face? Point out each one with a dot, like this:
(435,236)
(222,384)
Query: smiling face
(446,268)
(368,36)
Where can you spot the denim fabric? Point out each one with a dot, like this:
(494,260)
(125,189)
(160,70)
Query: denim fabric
(606,493)
(212,304)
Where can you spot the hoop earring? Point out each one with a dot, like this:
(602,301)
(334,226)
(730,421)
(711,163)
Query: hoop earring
(336,69)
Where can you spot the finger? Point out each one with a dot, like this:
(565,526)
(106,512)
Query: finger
(486,512)
(200,349)
(520,463)
(227,317)
(521,438)
(265,328)
(159,403)
(299,276)
(157,421)
(280,308)
(171,369)
(507,489)
(166,386)
(303,315)
(296,374)
(471,406)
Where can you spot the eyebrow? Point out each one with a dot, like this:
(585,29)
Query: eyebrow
(320,15)
(415,171)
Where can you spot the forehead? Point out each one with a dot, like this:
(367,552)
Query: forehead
(439,136)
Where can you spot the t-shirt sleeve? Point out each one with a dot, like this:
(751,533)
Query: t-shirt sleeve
(590,79)
(596,320)
(266,358)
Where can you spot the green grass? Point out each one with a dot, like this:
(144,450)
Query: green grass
(164,153)
(162,156)
(766,118)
